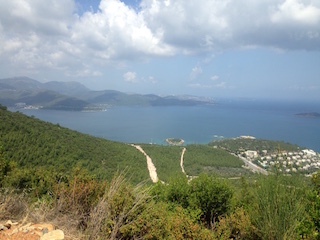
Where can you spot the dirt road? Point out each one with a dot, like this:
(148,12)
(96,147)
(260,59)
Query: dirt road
(152,169)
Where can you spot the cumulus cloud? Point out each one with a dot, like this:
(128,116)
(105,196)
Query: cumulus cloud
(49,18)
(117,31)
(296,11)
(130,77)
(201,26)
(50,34)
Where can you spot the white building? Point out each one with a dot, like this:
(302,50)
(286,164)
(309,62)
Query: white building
(309,152)
(251,154)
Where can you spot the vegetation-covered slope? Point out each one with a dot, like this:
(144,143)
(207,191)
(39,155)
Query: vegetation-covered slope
(30,142)
(165,158)
(204,158)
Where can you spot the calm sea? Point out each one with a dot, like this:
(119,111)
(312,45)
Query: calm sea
(199,124)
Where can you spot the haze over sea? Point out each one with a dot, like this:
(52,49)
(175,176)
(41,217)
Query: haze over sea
(196,124)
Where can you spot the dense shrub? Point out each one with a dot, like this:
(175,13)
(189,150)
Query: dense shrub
(206,196)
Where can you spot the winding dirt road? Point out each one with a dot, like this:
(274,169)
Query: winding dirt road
(152,169)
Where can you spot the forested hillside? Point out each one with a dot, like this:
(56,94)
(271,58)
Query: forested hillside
(31,143)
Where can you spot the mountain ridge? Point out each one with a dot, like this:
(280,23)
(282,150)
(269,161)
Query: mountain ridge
(75,96)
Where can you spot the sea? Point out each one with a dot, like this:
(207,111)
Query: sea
(273,120)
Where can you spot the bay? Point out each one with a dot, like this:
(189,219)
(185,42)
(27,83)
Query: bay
(196,124)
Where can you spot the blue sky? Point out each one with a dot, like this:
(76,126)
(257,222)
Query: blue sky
(231,48)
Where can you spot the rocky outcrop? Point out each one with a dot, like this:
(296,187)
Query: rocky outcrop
(30,231)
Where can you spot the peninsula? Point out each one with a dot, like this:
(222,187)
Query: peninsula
(175,141)
(311,114)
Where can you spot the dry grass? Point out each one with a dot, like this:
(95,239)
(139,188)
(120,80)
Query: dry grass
(17,208)
(13,205)
(81,215)
(118,206)
(46,212)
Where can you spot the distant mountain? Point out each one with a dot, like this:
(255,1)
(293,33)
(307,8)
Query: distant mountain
(21,83)
(67,88)
(25,91)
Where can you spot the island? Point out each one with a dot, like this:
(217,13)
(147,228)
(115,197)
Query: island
(310,114)
(175,141)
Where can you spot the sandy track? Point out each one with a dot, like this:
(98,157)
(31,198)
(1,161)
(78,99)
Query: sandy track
(181,160)
(152,169)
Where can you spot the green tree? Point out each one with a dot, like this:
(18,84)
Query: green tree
(5,168)
(178,191)
(212,195)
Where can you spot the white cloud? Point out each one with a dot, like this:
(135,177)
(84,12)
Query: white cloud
(295,11)
(49,18)
(214,78)
(210,25)
(37,34)
(117,32)
(130,77)
(195,72)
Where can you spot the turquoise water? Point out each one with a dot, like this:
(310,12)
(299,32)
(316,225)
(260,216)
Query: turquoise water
(199,124)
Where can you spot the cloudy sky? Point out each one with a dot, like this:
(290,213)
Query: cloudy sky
(216,48)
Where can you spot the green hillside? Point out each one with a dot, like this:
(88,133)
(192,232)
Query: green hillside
(33,143)
(30,142)
(165,158)
(203,158)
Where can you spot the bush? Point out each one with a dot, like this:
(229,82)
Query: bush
(178,191)
(77,195)
(212,195)
(206,197)
(236,225)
